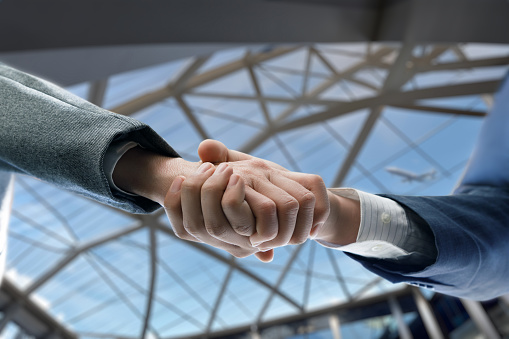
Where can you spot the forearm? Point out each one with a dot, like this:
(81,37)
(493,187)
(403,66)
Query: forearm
(149,174)
(342,225)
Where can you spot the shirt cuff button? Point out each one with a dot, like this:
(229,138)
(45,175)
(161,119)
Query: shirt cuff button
(386,218)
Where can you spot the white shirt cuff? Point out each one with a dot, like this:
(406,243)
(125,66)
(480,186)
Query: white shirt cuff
(383,228)
(111,158)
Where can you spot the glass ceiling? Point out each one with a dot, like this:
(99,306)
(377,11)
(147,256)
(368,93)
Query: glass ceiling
(343,111)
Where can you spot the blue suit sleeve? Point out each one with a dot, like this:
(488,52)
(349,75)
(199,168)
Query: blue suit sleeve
(471,233)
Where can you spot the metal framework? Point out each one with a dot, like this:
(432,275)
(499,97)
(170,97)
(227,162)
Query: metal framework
(400,63)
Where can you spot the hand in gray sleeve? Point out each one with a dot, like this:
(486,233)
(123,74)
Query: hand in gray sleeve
(60,138)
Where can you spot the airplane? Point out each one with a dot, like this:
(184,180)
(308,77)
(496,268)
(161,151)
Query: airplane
(410,176)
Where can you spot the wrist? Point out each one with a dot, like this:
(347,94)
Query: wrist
(342,225)
(149,174)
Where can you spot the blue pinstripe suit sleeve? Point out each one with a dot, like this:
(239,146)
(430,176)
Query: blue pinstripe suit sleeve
(472,237)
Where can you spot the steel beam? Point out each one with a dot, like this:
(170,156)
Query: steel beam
(341,309)
(153,275)
(481,319)
(258,139)
(427,315)
(440,110)
(158,95)
(192,118)
(391,99)
(334,325)
(31,317)
(239,268)
(280,280)
(97,91)
(72,254)
(397,313)
(220,297)
(357,146)
(302,100)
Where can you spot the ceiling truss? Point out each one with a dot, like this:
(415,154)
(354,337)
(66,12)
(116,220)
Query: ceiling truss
(389,92)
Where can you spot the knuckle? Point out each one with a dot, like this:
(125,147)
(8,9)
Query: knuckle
(268,207)
(229,203)
(241,253)
(182,235)
(298,239)
(215,230)
(316,180)
(269,233)
(243,229)
(191,228)
(290,205)
(208,187)
(179,234)
(277,243)
(237,251)
(259,163)
(191,184)
(307,199)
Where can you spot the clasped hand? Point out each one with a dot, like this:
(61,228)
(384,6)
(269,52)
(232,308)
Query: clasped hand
(245,205)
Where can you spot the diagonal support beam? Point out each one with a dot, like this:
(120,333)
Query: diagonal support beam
(397,76)
(225,260)
(357,146)
(280,280)
(302,100)
(168,91)
(153,275)
(440,110)
(394,98)
(97,91)
(78,250)
(192,118)
(258,90)
(220,297)
(178,85)
(258,139)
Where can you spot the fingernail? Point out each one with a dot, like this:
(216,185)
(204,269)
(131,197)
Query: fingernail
(234,179)
(176,184)
(221,168)
(204,167)
(315,230)
(264,249)
(256,240)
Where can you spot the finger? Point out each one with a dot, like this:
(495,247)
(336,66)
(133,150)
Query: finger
(192,216)
(216,223)
(315,184)
(267,256)
(287,208)
(236,208)
(215,151)
(265,213)
(173,208)
(306,205)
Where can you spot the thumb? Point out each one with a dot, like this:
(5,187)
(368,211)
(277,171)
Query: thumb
(215,152)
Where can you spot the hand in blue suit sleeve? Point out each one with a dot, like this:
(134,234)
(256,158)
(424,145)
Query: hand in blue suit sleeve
(472,235)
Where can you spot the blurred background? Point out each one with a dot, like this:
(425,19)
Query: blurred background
(383,96)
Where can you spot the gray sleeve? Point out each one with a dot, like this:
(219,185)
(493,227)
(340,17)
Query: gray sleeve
(49,133)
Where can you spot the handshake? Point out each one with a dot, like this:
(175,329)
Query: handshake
(237,202)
